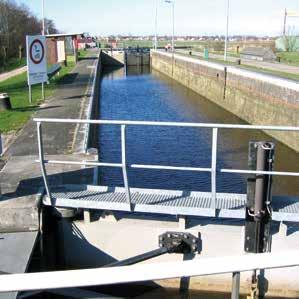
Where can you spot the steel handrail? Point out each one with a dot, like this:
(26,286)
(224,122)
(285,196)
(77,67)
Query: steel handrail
(165,123)
(124,123)
(147,272)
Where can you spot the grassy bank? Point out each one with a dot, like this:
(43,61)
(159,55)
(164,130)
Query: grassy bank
(285,75)
(289,57)
(12,64)
(82,53)
(17,90)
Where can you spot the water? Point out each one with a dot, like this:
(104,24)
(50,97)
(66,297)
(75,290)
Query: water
(138,94)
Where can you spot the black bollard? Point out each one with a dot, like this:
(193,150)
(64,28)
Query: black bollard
(4,102)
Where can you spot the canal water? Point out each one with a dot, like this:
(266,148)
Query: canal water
(141,94)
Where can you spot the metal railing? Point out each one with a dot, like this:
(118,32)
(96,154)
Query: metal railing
(124,166)
(151,271)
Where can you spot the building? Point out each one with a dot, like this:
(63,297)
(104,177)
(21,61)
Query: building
(59,45)
(86,42)
(258,53)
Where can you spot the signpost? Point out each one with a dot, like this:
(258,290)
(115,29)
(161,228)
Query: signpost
(36,62)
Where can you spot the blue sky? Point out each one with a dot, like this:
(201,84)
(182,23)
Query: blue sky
(194,17)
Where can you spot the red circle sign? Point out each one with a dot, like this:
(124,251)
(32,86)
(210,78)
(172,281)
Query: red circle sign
(37,51)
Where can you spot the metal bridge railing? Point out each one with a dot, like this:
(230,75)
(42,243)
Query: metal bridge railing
(150,271)
(124,124)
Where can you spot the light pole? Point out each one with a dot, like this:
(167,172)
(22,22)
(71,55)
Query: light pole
(172,42)
(43,33)
(156,26)
(226,36)
(43,17)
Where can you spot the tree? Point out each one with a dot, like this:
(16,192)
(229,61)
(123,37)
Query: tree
(17,21)
(50,27)
(289,40)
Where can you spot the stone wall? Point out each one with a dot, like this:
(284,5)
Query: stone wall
(256,98)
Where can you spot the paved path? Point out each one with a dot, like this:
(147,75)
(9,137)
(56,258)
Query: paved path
(20,178)
(275,66)
(13,73)
(69,101)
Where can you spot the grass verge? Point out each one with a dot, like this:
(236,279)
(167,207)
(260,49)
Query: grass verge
(289,57)
(82,53)
(13,64)
(280,74)
(17,89)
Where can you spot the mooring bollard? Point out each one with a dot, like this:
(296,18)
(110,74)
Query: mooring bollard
(1,153)
(4,102)
(258,208)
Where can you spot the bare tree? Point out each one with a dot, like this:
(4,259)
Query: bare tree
(50,27)
(17,21)
(289,40)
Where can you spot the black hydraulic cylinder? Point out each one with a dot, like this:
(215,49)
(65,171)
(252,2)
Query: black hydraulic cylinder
(139,258)
(258,207)
(263,181)
(169,242)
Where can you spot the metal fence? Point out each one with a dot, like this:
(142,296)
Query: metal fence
(124,165)
(151,271)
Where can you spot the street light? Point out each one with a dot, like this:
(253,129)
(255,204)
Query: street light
(156,26)
(226,36)
(43,17)
(172,2)
(43,33)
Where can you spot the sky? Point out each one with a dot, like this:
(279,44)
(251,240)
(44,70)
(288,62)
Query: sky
(192,17)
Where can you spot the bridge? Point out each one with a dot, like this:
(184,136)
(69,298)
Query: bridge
(180,202)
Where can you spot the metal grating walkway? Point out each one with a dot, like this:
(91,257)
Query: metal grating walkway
(228,205)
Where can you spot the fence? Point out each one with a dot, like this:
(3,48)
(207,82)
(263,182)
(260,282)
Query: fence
(147,272)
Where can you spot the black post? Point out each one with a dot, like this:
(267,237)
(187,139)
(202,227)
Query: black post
(258,209)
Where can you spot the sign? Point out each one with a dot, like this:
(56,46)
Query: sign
(61,56)
(36,59)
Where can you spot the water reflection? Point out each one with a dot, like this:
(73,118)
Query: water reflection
(138,94)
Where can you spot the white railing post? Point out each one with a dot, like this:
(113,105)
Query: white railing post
(124,165)
(213,167)
(235,285)
(42,160)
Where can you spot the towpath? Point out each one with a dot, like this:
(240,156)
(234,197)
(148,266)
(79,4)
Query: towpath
(20,178)
(275,66)
(7,75)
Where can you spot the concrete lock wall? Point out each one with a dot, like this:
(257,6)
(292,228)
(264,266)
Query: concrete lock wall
(256,98)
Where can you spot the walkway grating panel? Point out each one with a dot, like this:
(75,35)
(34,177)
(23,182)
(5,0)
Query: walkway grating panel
(228,205)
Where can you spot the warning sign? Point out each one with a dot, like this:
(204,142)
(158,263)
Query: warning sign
(36,59)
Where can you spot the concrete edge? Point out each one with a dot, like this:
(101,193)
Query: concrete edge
(286,83)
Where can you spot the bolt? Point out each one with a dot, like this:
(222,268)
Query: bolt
(247,238)
(194,241)
(247,248)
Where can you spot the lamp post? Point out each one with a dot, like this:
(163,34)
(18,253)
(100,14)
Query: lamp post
(226,36)
(156,26)
(172,42)
(43,17)
(43,33)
